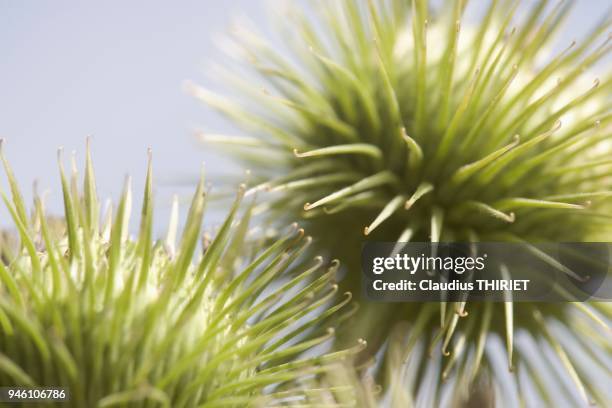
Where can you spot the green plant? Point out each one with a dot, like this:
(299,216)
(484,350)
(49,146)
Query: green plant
(122,321)
(397,121)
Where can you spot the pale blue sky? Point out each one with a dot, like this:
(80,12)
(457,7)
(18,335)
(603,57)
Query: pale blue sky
(114,69)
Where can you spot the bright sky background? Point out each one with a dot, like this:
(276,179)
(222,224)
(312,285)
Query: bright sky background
(114,69)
